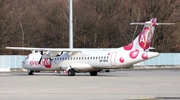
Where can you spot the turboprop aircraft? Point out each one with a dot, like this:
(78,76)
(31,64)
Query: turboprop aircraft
(79,60)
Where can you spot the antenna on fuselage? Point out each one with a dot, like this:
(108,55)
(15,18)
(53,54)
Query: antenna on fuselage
(70,24)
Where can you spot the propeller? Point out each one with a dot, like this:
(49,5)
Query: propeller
(41,57)
(59,54)
(41,52)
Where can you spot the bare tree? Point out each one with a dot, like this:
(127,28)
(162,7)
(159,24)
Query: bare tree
(97,23)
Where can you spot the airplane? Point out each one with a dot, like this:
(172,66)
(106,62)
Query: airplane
(78,60)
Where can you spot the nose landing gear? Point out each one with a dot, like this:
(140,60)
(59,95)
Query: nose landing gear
(30,72)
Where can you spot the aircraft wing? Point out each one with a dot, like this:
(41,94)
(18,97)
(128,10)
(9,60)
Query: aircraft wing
(41,49)
(52,52)
(58,49)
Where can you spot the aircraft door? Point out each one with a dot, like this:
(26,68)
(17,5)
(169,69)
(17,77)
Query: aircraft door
(113,58)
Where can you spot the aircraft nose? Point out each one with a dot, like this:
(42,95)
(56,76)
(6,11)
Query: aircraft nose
(24,64)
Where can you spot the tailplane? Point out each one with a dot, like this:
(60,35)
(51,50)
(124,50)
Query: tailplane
(143,41)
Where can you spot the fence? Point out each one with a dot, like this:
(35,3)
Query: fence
(8,62)
(163,60)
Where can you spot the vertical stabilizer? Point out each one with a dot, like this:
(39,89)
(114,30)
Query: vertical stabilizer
(143,41)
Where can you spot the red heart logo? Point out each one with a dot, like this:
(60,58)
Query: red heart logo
(128,47)
(134,54)
(121,59)
(144,56)
(47,63)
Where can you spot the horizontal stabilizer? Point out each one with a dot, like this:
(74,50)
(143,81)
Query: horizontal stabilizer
(164,23)
(140,23)
(151,23)
(151,48)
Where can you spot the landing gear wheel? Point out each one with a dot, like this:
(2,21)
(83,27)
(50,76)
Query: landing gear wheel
(30,72)
(71,72)
(107,70)
(93,73)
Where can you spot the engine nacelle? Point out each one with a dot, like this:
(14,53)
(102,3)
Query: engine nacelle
(50,54)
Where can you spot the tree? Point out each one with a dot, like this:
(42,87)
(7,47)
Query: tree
(97,23)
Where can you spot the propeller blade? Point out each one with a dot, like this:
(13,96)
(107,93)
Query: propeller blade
(40,60)
(41,57)
(41,52)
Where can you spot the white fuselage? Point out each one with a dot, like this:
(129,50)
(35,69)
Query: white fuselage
(88,60)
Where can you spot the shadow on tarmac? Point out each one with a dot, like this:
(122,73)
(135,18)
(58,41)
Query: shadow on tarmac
(100,74)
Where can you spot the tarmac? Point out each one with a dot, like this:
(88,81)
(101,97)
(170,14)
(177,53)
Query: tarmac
(115,85)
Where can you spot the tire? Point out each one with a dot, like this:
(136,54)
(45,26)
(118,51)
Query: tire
(71,72)
(30,72)
(93,73)
(107,70)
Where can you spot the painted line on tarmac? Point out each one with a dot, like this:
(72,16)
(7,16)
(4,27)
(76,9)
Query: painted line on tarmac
(89,87)
(142,98)
(6,92)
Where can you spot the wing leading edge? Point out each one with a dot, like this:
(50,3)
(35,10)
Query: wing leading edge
(55,51)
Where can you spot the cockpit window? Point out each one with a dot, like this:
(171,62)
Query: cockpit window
(27,57)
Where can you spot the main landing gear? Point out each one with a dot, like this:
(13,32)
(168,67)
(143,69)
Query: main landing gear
(93,73)
(30,72)
(71,72)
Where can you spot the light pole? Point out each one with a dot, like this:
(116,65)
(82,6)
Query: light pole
(70,24)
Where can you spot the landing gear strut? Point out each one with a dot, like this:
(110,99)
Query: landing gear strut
(71,72)
(30,72)
(93,73)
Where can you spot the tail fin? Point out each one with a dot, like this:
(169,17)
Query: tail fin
(143,41)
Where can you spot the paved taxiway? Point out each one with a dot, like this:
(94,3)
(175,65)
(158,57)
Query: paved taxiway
(117,85)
